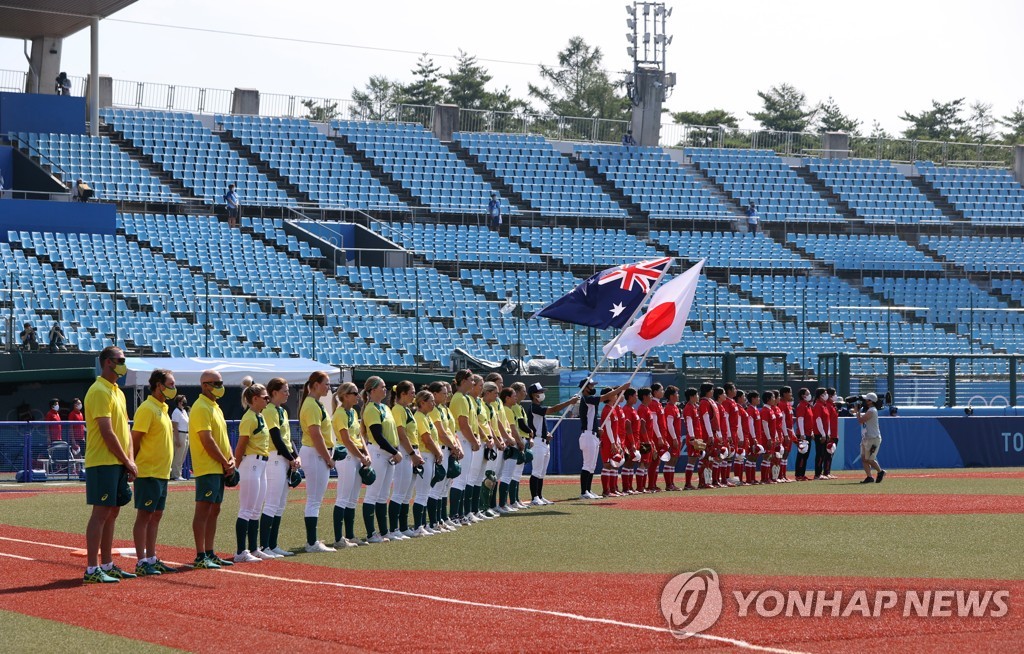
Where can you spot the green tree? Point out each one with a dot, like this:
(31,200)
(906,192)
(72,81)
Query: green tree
(1014,124)
(377,100)
(321,113)
(943,122)
(467,83)
(425,88)
(579,86)
(981,124)
(831,119)
(785,109)
(710,118)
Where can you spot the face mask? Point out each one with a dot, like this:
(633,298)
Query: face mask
(170,393)
(217,392)
(540,397)
(805,398)
(78,405)
(121,369)
(55,407)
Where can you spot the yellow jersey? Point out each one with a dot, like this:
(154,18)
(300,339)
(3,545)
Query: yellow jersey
(425,425)
(404,418)
(347,420)
(499,414)
(519,415)
(449,421)
(255,427)
(461,406)
(156,448)
(313,413)
(105,400)
(380,414)
(207,416)
(276,416)
(483,417)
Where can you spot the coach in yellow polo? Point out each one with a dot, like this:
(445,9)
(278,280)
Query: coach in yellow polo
(211,462)
(109,466)
(153,442)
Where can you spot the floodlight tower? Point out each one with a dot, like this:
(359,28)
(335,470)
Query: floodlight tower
(648,86)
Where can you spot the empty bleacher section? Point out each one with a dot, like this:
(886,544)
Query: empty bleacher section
(983,196)
(979,253)
(532,167)
(730,249)
(417,161)
(653,181)
(602,248)
(440,242)
(864,252)
(876,191)
(185,148)
(311,162)
(760,176)
(111,173)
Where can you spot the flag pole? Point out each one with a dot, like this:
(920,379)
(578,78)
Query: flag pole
(615,340)
(618,397)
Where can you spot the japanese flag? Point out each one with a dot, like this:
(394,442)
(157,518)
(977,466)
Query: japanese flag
(664,320)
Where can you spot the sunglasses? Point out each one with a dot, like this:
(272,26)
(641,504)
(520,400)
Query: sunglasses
(265,397)
(120,361)
(217,384)
(352,393)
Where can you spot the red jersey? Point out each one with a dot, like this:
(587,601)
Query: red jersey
(673,417)
(55,430)
(754,418)
(821,414)
(649,416)
(709,418)
(768,426)
(691,423)
(805,415)
(658,409)
(833,419)
(611,423)
(787,412)
(780,423)
(733,420)
(633,427)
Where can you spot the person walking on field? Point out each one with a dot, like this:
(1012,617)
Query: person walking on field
(109,466)
(871,438)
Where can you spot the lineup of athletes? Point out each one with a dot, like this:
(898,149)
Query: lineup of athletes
(457,453)
(729,437)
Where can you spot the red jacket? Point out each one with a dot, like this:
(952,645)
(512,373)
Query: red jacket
(768,417)
(635,425)
(824,416)
(806,412)
(673,417)
(709,417)
(55,430)
(692,424)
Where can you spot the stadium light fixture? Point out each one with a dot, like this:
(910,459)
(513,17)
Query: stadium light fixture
(668,12)
(631,23)
(631,10)
(631,51)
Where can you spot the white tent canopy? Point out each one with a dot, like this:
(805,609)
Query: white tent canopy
(188,371)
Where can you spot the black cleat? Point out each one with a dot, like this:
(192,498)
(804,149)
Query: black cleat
(868,480)
(881,474)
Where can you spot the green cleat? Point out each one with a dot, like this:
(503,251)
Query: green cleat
(204,563)
(118,573)
(224,563)
(146,570)
(162,567)
(98,577)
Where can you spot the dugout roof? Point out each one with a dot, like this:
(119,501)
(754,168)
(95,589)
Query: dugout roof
(29,19)
(188,371)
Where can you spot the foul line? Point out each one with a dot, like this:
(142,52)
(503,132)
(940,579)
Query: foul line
(15,556)
(449,600)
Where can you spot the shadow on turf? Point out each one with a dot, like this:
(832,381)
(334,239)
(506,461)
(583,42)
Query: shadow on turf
(60,584)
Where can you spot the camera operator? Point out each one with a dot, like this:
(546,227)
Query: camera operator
(29,339)
(871,437)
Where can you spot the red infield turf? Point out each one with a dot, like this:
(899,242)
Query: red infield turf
(874,504)
(299,605)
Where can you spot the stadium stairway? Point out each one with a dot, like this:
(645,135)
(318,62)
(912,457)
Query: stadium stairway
(940,201)
(257,162)
(715,189)
(822,189)
(514,197)
(370,166)
(608,187)
(146,161)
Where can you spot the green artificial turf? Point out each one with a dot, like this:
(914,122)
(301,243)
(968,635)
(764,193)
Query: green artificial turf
(24,633)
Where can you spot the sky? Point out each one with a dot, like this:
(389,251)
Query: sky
(876,58)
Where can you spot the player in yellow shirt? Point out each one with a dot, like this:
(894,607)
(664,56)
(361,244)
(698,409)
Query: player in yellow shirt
(450,447)
(109,466)
(525,430)
(426,521)
(382,431)
(283,461)
(509,401)
(347,431)
(403,395)
(211,463)
(153,446)
(494,417)
(483,456)
(463,410)
(316,452)
(252,451)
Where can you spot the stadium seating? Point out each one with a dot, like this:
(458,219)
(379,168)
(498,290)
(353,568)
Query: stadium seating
(421,164)
(534,169)
(731,249)
(760,176)
(456,242)
(311,162)
(984,196)
(864,251)
(192,153)
(107,170)
(979,253)
(602,248)
(652,180)
(876,191)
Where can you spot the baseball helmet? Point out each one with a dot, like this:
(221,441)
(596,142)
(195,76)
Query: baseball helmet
(617,460)
(490,479)
(340,453)
(779,451)
(528,455)
(294,479)
(232,480)
(368,475)
(439,474)
(803,447)
(831,448)
(124,494)
(454,469)
(520,456)
(645,448)
(723,452)
(417,470)
(741,454)
(489,454)
(758,449)
(665,456)
(636,456)
(510,452)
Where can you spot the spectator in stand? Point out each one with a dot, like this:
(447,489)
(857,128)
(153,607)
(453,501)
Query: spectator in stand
(29,337)
(82,192)
(494,211)
(180,420)
(53,415)
(627,138)
(57,338)
(752,217)
(231,200)
(77,430)
(62,85)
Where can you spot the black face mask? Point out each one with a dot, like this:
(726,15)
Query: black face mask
(589,391)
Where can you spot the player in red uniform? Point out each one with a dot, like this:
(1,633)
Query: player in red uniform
(694,431)
(788,432)
(732,419)
(754,436)
(673,436)
(833,432)
(803,430)
(649,438)
(661,436)
(822,429)
(742,448)
(769,434)
(709,418)
(611,429)
(631,444)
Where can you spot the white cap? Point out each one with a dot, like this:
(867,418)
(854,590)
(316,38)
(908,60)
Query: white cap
(872,397)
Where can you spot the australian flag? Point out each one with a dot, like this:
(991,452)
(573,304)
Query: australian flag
(608,298)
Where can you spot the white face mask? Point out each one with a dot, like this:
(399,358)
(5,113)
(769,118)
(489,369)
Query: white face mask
(805,398)
(78,405)
(55,407)
(540,397)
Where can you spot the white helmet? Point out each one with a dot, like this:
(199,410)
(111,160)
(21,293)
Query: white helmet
(831,448)
(803,447)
